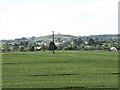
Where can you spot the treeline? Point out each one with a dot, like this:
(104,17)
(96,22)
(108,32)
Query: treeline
(92,44)
(73,43)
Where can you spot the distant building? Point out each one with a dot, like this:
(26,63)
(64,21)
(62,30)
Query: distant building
(37,48)
(113,49)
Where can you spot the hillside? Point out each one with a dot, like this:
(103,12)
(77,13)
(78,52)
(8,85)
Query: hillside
(62,37)
(57,37)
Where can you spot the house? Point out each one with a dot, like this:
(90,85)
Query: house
(37,48)
(113,49)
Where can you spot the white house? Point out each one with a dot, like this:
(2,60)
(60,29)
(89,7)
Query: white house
(37,48)
(113,49)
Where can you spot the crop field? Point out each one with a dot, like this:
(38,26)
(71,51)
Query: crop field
(64,69)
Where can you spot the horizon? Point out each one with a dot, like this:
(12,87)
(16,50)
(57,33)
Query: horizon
(27,18)
(57,34)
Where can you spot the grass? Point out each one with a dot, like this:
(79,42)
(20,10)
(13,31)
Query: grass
(93,69)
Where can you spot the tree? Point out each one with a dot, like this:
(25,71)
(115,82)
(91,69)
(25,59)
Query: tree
(70,47)
(80,41)
(43,47)
(31,47)
(65,44)
(6,47)
(88,48)
(21,43)
(117,46)
(26,43)
(99,47)
(15,47)
(91,42)
(74,47)
(82,46)
(52,46)
(65,48)
(75,42)
(105,46)
(60,47)
(21,49)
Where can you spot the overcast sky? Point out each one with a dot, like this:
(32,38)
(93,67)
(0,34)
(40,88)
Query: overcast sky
(26,18)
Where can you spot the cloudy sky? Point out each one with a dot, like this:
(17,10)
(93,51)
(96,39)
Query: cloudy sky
(26,18)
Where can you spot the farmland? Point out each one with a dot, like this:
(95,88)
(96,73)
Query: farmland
(92,69)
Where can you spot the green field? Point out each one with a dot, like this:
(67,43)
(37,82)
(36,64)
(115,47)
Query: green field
(92,69)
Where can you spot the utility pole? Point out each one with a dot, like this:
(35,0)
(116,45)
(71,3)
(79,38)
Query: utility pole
(53,41)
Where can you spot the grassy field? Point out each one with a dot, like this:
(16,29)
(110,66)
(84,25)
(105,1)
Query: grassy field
(93,69)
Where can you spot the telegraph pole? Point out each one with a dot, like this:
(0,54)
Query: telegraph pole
(53,40)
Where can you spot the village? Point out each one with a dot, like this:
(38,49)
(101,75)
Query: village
(62,42)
